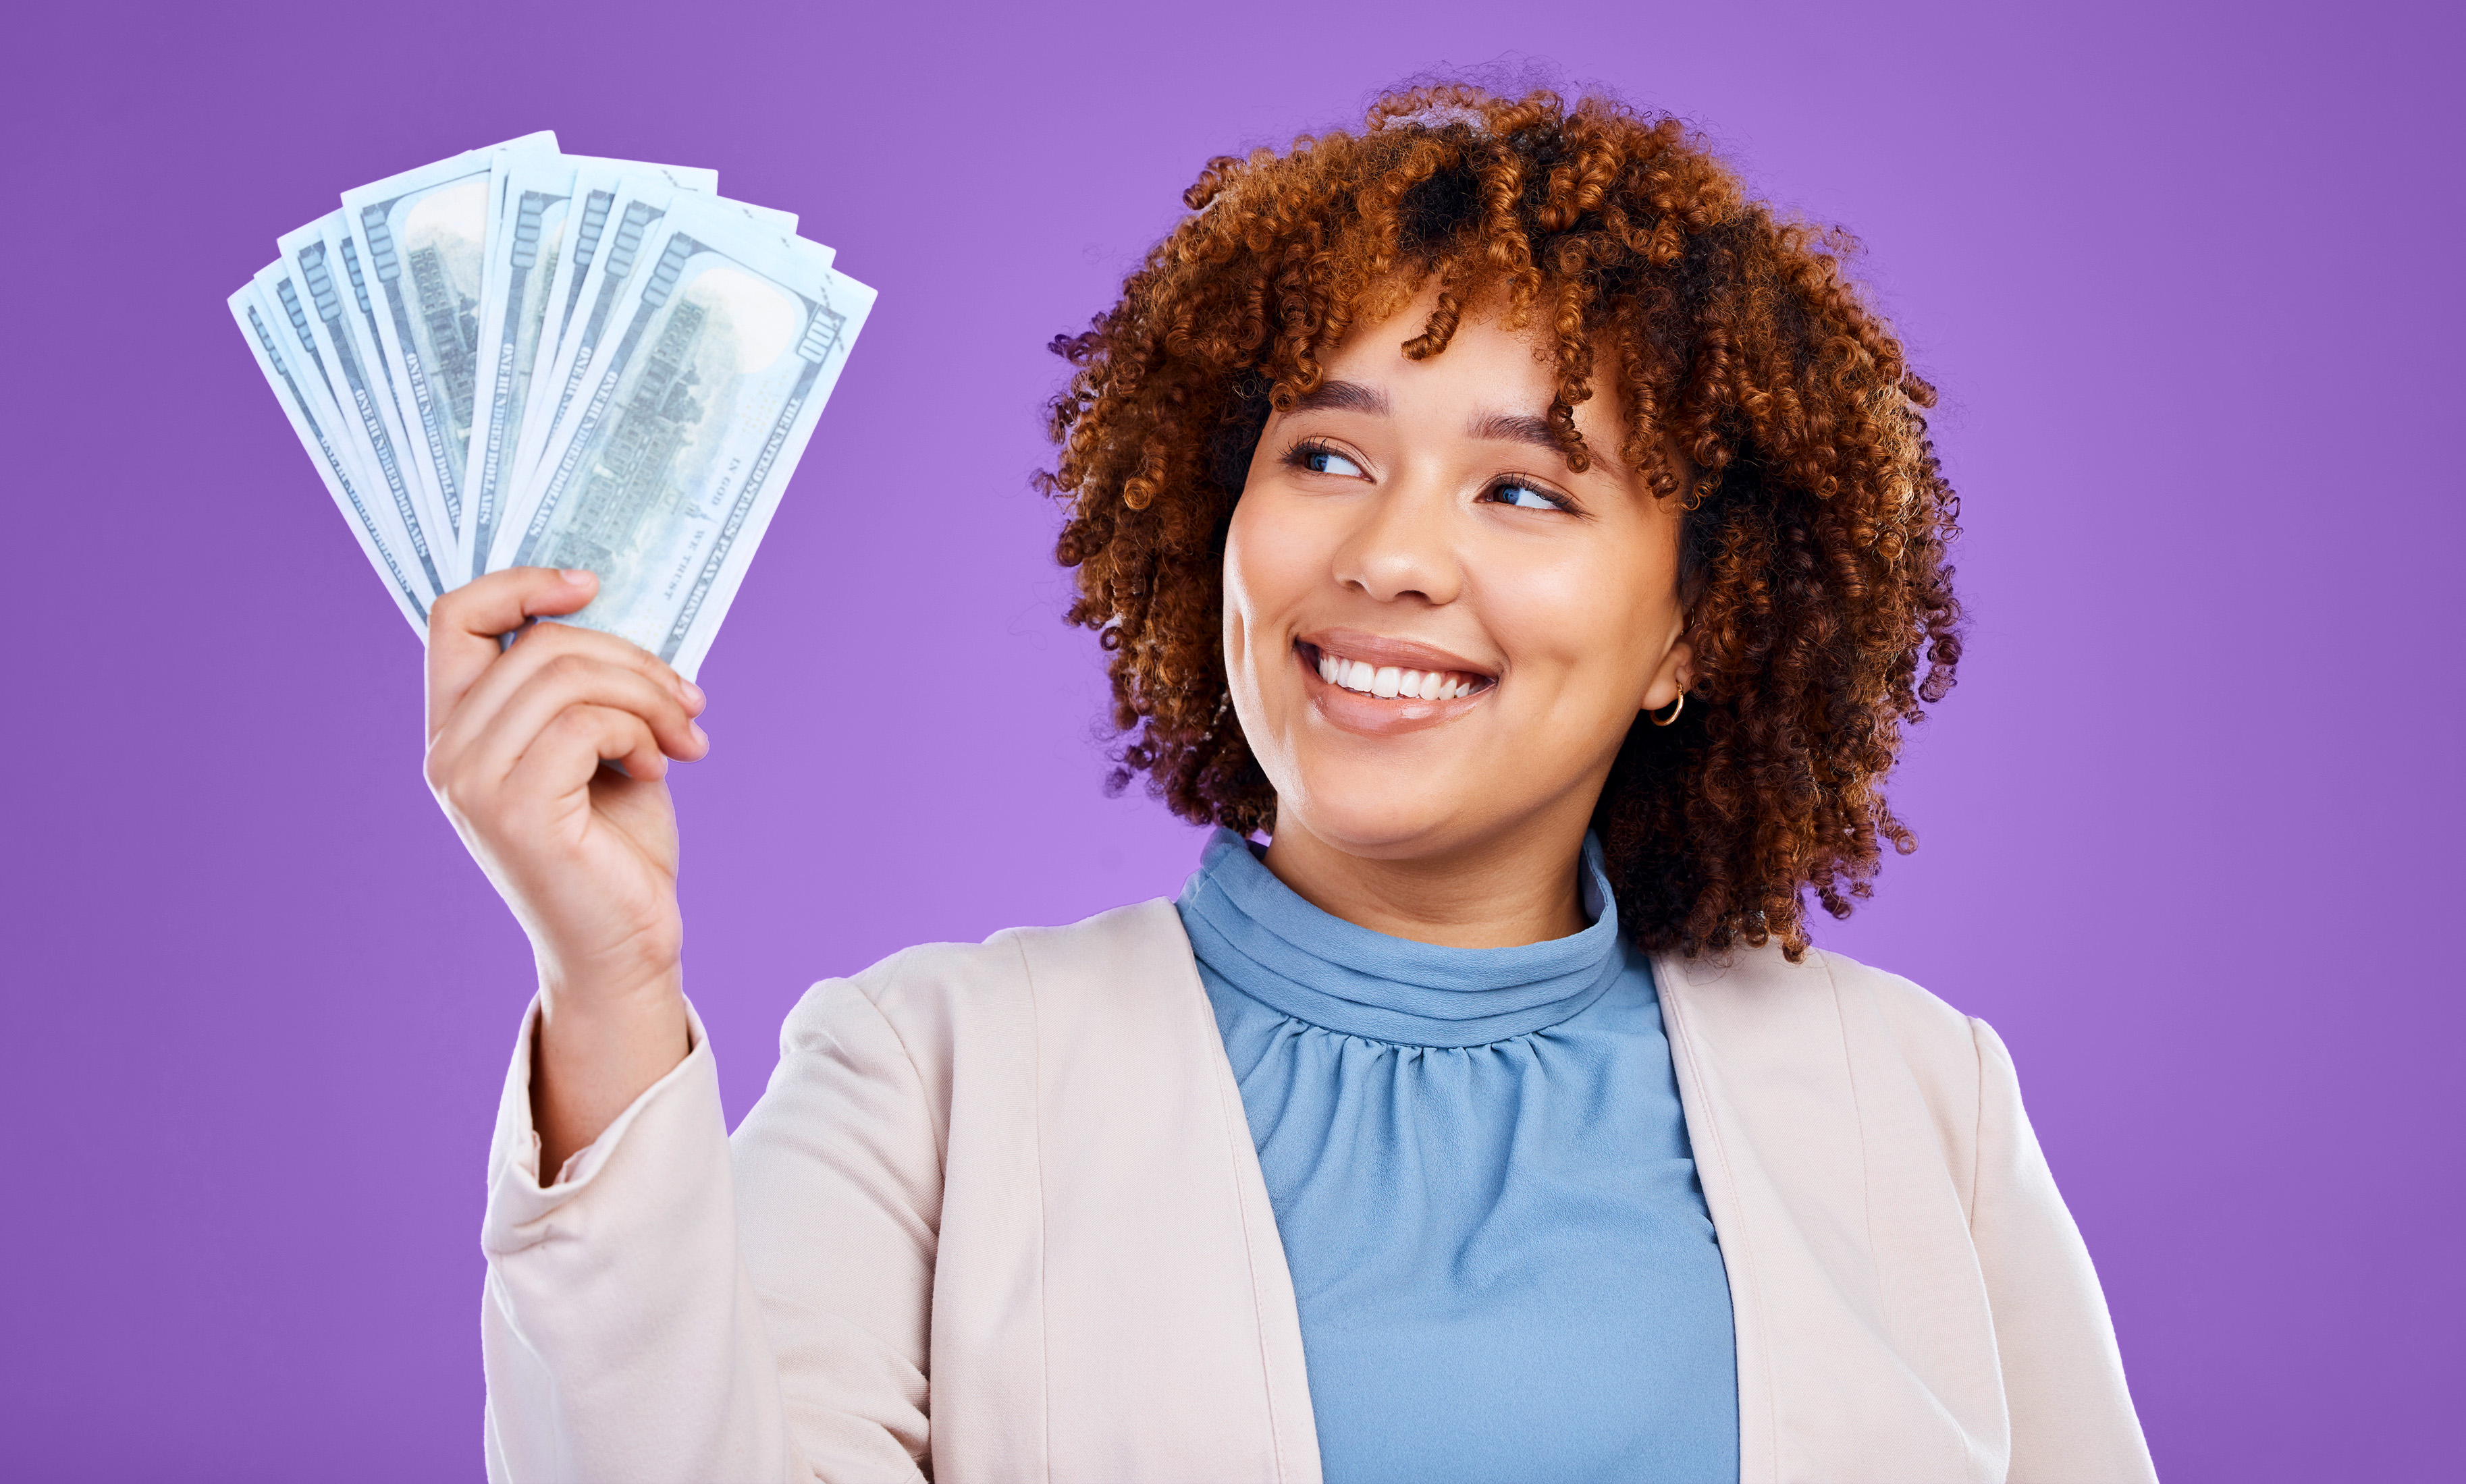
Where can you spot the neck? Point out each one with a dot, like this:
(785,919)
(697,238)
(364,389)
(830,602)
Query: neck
(1519,887)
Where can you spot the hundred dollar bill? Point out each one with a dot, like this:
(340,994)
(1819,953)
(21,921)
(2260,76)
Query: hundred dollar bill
(422,235)
(598,188)
(719,356)
(309,285)
(586,225)
(328,232)
(613,222)
(279,352)
(612,227)
(527,238)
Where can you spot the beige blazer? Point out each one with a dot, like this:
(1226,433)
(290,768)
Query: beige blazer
(998,1217)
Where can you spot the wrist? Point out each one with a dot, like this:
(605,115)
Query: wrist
(613,992)
(634,1032)
(598,1048)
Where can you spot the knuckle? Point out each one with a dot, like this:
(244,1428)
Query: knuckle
(455,793)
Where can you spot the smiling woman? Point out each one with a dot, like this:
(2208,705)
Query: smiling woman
(1699,367)
(1538,543)
(1396,523)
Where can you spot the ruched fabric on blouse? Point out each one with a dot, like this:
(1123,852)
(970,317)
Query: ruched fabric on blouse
(1481,1174)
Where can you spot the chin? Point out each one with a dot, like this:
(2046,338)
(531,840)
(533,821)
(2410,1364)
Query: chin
(1366,806)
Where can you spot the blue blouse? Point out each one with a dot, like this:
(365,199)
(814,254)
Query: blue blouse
(1478,1164)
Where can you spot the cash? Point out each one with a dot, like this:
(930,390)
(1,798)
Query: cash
(518,356)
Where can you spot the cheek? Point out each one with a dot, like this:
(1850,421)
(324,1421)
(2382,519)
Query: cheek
(1272,561)
(1587,612)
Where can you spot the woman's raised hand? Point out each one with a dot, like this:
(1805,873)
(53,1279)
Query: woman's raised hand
(519,746)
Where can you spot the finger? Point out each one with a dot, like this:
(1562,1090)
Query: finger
(565,754)
(572,680)
(463,625)
(541,646)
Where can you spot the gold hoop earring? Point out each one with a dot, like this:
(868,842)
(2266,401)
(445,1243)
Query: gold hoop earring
(1675,707)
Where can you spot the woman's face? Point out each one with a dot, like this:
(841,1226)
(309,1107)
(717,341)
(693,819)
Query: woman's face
(1437,634)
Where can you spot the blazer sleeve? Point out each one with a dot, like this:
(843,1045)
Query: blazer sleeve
(679,1305)
(2072,1415)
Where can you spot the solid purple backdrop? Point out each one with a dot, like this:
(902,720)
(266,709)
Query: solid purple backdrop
(2189,280)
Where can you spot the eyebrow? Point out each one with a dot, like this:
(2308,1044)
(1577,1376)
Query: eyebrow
(1346,396)
(1489,427)
(1514,427)
(1523,428)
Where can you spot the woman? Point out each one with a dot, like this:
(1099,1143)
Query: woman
(1541,546)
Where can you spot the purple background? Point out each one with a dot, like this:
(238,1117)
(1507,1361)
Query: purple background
(2188,277)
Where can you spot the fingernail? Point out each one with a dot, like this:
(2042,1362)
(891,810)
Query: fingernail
(694,697)
(700,735)
(576,576)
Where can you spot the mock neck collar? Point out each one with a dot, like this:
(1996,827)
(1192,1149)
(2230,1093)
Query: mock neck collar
(1259,935)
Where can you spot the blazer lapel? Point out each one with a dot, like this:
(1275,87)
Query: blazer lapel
(1173,1346)
(1792,1106)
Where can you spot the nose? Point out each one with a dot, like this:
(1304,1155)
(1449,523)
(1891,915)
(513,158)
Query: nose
(1402,544)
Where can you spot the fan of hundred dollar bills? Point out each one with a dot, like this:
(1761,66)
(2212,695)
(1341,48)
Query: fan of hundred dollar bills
(522,358)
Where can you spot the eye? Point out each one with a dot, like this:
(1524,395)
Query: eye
(1319,459)
(1523,497)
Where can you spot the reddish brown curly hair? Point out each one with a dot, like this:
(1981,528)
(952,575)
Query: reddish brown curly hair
(1759,391)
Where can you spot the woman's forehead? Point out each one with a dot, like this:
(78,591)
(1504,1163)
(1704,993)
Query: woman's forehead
(1485,347)
(1493,381)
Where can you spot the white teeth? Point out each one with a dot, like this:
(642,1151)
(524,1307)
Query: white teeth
(1394,681)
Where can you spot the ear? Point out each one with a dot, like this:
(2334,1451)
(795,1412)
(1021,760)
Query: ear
(1670,679)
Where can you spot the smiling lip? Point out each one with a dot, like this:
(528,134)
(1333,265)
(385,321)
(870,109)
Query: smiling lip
(1378,651)
(1380,693)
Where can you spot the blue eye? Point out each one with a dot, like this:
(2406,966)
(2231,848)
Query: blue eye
(1318,458)
(1523,497)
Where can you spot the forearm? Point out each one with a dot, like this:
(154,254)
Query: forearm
(596,1051)
(620,1336)
(624,1336)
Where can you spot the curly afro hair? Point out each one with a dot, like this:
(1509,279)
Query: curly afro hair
(1759,392)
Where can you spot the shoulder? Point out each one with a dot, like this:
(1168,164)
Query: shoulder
(1830,1039)
(942,988)
(1887,1040)
(1000,1025)
(1752,988)
(1922,1024)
